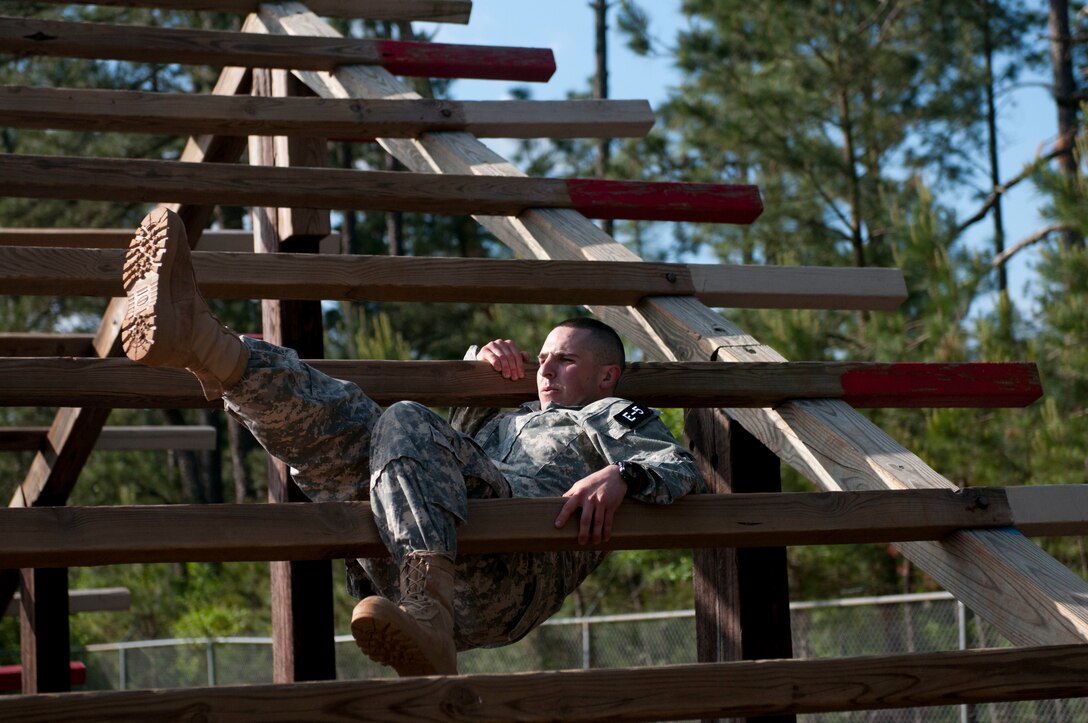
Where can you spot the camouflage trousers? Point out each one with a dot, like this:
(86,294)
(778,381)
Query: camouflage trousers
(418,474)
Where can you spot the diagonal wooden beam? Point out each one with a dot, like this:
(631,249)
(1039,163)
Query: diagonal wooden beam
(56,38)
(124,384)
(68,271)
(432,11)
(124,179)
(121,111)
(1004,578)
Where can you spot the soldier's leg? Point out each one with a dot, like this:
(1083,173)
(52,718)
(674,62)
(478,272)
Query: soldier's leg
(422,474)
(319,426)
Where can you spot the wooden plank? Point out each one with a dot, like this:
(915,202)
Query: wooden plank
(45,344)
(121,111)
(128,385)
(668,692)
(84,536)
(141,44)
(119,179)
(117,438)
(67,271)
(104,599)
(1031,597)
(433,11)
(742,603)
(1049,510)
(301,590)
(118,238)
(44,640)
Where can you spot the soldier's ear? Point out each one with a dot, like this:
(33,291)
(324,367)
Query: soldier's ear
(610,374)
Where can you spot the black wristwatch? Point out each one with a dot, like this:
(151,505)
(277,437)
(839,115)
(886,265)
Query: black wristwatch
(634,475)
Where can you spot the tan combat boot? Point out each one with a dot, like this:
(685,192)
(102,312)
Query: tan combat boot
(416,637)
(168,323)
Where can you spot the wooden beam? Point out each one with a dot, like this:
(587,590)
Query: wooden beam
(120,179)
(432,11)
(45,344)
(123,384)
(667,692)
(104,599)
(68,271)
(121,111)
(85,536)
(11,676)
(117,438)
(55,38)
(118,238)
(1028,595)
(44,640)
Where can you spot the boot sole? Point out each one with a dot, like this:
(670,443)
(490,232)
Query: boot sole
(149,319)
(384,643)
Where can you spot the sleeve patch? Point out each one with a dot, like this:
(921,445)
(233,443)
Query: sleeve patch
(633,416)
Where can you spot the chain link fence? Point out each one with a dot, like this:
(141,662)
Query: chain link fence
(826,629)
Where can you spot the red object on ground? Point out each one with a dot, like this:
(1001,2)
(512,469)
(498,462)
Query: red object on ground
(11,676)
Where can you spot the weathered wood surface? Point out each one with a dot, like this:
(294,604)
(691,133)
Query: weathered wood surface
(30,381)
(118,111)
(226,275)
(669,692)
(45,344)
(81,536)
(120,179)
(118,238)
(1032,598)
(196,437)
(142,44)
(433,11)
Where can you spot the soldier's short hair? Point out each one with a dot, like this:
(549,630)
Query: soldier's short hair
(607,345)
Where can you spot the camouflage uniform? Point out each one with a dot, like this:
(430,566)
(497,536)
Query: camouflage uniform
(418,471)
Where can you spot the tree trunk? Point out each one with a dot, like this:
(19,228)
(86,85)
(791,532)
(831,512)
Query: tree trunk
(600,92)
(1061,58)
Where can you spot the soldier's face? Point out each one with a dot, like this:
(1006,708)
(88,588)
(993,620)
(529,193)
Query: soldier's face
(569,374)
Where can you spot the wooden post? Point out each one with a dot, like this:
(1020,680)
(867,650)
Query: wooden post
(44,639)
(302,619)
(742,607)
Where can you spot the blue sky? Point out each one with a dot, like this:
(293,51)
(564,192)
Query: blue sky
(1027,116)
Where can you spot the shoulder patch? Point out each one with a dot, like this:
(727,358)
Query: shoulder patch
(633,416)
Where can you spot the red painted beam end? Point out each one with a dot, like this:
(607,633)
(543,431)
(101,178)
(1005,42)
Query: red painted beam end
(11,676)
(484,62)
(665,201)
(917,385)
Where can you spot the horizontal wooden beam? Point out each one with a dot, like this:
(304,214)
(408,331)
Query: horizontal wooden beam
(671,692)
(120,111)
(57,272)
(119,383)
(194,438)
(119,238)
(87,536)
(433,11)
(103,599)
(44,344)
(130,180)
(141,44)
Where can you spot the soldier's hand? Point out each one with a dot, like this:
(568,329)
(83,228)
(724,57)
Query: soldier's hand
(599,495)
(505,357)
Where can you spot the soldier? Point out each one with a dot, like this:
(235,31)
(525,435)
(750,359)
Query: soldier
(418,471)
